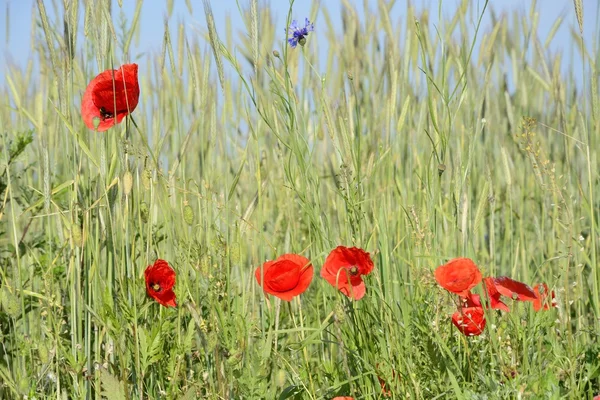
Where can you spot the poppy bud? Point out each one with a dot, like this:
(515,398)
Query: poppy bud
(275,54)
(188,214)
(340,314)
(127,183)
(76,235)
(441,169)
(10,303)
(280,378)
(144,212)
(43,353)
(235,358)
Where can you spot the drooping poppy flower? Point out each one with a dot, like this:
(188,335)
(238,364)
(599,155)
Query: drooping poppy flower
(459,276)
(160,279)
(514,289)
(286,277)
(110,96)
(540,301)
(494,295)
(344,268)
(470,320)
(508,287)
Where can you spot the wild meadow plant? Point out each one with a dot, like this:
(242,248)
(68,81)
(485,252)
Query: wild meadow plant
(257,218)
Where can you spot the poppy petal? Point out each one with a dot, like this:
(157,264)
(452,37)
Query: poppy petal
(494,295)
(472,300)
(459,276)
(343,269)
(355,292)
(286,277)
(514,289)
(160,279)
(470,321)
(118,95)
(110,96)
(540,301)
(283,276)
(166,298)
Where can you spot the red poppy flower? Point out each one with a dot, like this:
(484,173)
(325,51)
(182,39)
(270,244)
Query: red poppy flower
(286,277)
(343,398)
(472,300)
(540,300)
(494,295)
(470,321)
(344,268)
(458,276)
(508,287)
(111,96)
(160,279)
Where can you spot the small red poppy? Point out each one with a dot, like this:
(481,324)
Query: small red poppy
(344,268)
(286,277)
(343,398)
(160,279)
(540,301)
(459,276)
(470,320)
(110,96)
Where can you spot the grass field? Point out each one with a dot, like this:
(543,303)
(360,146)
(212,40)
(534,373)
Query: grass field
(417,143)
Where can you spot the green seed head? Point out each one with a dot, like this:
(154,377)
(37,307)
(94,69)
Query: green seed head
(127,183)
(147,178)
(188,214)
(76,235)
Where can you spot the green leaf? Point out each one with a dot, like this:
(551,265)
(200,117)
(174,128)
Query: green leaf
(190,394)
(112,388)
(455,386)
(289,391)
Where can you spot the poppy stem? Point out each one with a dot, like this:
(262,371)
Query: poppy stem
(145,141)
(304,268)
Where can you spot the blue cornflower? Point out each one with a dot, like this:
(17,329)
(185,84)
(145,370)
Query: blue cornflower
(298,34)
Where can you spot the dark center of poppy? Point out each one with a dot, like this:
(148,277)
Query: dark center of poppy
(105,114)
(155,286)
(353,270)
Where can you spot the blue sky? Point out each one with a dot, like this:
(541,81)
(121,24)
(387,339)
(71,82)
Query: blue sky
(14,48)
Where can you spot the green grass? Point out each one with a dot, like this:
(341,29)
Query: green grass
(404,141)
